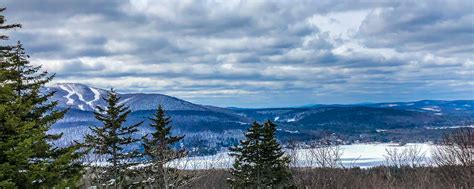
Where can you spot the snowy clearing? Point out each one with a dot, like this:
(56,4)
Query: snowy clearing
(355,155)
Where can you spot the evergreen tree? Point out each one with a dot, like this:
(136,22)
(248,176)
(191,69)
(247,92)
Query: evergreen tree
(4,26)
(160,148)
(246,170)
(259,160)
(28,159)
(113,140)
(9,139)
(275,164)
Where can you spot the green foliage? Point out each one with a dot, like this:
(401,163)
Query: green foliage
(275,163)
(112,138)
(160,148)
(4,26)
(259,160)
(27,159)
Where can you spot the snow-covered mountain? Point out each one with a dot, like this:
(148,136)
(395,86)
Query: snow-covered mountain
(437,107)
(77,96)
(204,126)
(82,100)
(218,127)
(83,97)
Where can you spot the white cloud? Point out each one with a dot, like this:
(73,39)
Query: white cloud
(281,52)
(115,46)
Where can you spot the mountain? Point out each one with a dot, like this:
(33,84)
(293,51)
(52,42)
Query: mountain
(209,129)
(437,107)
(203,125)
(82,97)
(82,101)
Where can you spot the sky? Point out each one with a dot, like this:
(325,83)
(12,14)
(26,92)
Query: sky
(255,53)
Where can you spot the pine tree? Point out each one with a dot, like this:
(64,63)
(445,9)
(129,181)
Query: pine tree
(259,160)
(275,164)
(160,149)
(10,161)
(246,168)
(113,140)
(4,26)
(28,158)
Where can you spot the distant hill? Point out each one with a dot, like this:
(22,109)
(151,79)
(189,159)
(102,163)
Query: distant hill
(219,127)
(438,107)
(82,101)
(82,97)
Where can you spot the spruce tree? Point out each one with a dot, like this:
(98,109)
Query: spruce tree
(113,140)
(27,160)
(4,26)
(160,148)
(259,160)
(275,164)
(246,170)
(9,130)
(27,148)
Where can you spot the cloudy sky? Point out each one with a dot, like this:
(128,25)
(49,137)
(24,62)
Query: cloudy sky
(256,53)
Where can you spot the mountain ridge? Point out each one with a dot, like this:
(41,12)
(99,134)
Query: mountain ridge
(220,127)
(68,93)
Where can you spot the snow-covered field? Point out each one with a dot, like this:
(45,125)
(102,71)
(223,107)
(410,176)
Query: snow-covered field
(355,155)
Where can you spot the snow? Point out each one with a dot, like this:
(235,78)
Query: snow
(392,105)
(451,127)
(126,100)
(242,123)
(433,108)
(291,120)
(276,118)
(70,101)
(81,98)
(71,90)
(288,131)
(96,97)
(354,155)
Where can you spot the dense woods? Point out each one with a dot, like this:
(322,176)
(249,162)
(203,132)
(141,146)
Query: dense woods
(114,155)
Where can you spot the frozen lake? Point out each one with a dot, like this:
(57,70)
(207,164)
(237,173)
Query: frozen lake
(354,155)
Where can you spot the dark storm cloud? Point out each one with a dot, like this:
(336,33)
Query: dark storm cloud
(255,53)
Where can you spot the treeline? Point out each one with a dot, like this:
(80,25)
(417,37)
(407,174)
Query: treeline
(452,166)
(350,178)
(111,156)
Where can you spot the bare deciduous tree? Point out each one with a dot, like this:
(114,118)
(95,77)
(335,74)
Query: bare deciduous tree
(455,157)
(326,155)
(411,156)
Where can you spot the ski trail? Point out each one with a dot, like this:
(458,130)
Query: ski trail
(124,101)
(70,90)
(70,101)
(96,97)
